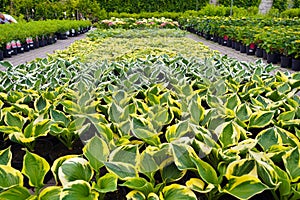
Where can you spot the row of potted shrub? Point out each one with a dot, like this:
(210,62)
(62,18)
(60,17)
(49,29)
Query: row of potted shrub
(21,37)
(277,40)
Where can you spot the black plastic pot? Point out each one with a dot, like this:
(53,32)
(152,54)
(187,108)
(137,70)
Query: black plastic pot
(21,49)
(242,48)
(31,45)
(7,53)
(14,51)
(62,36)
(296,64)
(250,49)
(229,43)
(220,41)
(224,43)
(215,39)
(1,55)
(41,43)
(237,46)
(36,44)
(285,61)
(272,58)
(259,52)
(207,36)
(264,54)
(233,44)
(26,47)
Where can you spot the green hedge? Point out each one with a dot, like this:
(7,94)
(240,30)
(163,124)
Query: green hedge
(135,6)
(240,3)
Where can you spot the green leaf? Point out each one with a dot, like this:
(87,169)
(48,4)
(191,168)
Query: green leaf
(10,177)
(74,169)
(177,131)
(35,168)
(115,112)
(5,157)
(230,133)
(57,163)
(41,104)
(78,189)
(182,156)
(147,136)
(106,183)
(176,191)
(122,170)
(198,185)
(16,192)
(171,173)
(135,195)
(285,184)
(139,184)
(261,119)
(240,168)
(286,116)
(147,162)
(126,154)
(14,119)
(232,102)
(60,117)
(50,192)
(153,196)
(96,151)
(206,171)
(244,187)
(196,111)
(70,106)
(268,137)
(243,112)
(291,162)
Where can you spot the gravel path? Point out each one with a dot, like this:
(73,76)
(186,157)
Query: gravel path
(42,52)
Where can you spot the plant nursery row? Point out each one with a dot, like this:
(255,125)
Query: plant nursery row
(277,40)
(161,117)
(21,37)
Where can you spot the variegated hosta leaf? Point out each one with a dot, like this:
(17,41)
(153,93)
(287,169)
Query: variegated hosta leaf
(139,184)
(74,169)
(153,196)
(182,154)
(59,117)
(126,154)
(106,183)
(196,110)
(148,164)
(170,173)
(291,162)
(244,187)
(206,171)
(14,119)
(233,102)
(50,192)
(124,171)
(97,152)
(10,177)
(229,133)
(78,189)
(149,137)
(5,157)
(57,163)
(179,130)
(261,119)
(284,182)
(41,104)
(198,185)
(244,112)
(176,191)
(241,167)
(35,168)
(135,195)
(268,137)
(15,192)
